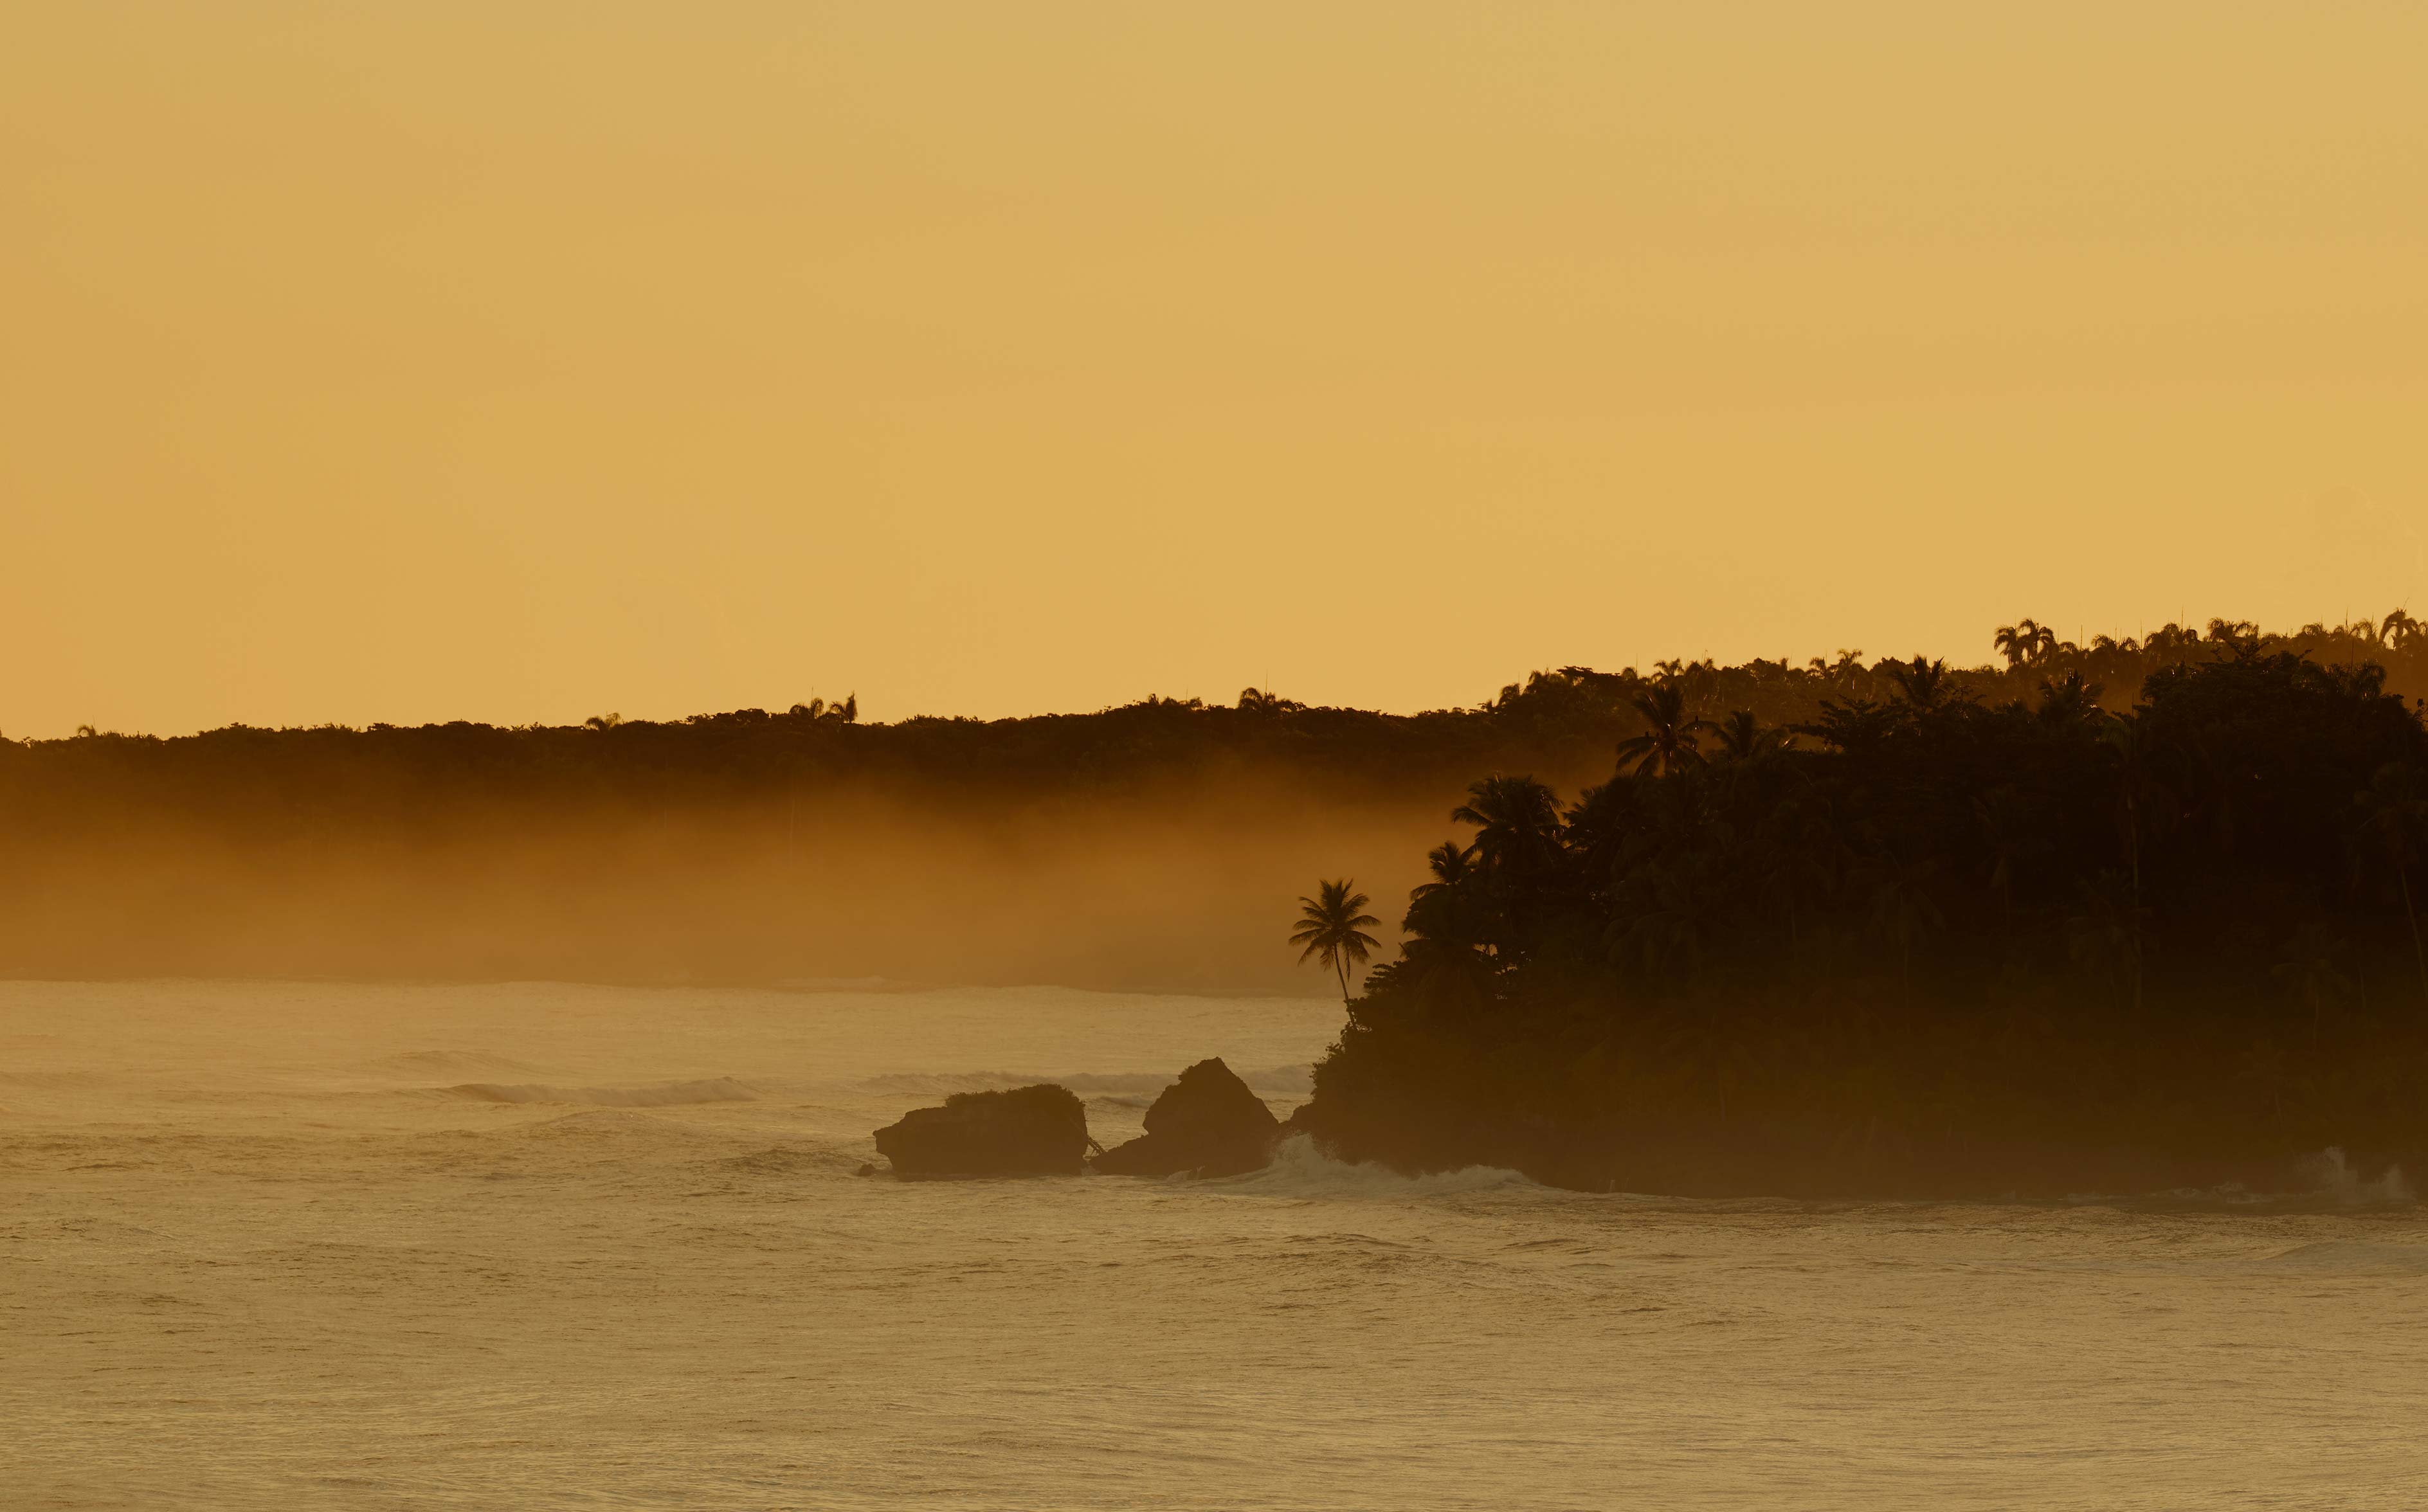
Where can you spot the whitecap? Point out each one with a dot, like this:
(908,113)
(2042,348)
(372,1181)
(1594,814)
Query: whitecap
(1299,1169)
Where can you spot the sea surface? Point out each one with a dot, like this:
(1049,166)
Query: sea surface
(282,1245)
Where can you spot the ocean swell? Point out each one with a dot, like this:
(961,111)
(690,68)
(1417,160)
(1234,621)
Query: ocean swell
(664,1094)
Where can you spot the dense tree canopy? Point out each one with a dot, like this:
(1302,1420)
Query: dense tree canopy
(755,845)
(1936,942)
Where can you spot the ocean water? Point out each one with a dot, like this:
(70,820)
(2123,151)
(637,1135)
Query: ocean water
(303,1246)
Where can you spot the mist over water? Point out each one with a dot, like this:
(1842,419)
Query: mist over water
(288,1245)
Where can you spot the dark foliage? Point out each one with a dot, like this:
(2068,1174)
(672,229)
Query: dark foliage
(1938,943)
(758,846)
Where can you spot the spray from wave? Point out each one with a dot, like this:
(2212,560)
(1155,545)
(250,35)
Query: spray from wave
(1302,1170)
(2325,1183)
(2332,1177)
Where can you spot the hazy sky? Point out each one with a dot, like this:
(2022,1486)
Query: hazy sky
(422,360)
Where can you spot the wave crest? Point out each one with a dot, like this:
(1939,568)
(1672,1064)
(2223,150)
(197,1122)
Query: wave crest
(1299,1169)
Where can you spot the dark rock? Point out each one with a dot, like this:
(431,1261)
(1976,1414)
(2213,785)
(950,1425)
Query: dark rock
(1208,1122)
(1039,1130)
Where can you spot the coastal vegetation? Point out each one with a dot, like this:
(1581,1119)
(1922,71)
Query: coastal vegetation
(1931,932)
(1140,846)
(1332,930)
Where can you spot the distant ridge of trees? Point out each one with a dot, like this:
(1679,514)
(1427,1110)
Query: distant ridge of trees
(1560,722)
(1136,846)
(1932,934)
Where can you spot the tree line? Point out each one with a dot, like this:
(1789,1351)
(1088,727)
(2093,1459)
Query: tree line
(1559,722)
(1926,937)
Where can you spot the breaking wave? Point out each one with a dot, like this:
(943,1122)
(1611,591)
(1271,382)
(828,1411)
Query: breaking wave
(1301,1170)
(1277,1081)
(2331,1175)
(666,1094)
(2325,1183)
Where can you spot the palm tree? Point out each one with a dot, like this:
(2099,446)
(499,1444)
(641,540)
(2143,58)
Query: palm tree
(2068,701)
(1265,701)
(1516,821)
(1443,911)
(1743,738)
(1923,683)
(1451,864)
(1669,746)
(1331,927)
(2023,641)
(1445,925)
(818,710)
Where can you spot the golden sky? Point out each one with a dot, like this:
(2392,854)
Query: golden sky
(527,360)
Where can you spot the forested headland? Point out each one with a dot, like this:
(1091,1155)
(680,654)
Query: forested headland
(1146,845)
(2110,919)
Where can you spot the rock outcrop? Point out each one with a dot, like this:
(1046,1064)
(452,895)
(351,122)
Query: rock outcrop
(1039,1130)
(1208,1122)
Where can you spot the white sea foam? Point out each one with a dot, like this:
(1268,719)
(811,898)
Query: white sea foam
(2327,1181)
(1301,1169)
(2332,1176)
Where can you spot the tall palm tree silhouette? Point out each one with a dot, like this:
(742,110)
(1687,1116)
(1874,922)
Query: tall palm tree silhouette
(1669,745)
(1516,821)
(2025,641)
(1443,911)
(1331,927)
(1451,864)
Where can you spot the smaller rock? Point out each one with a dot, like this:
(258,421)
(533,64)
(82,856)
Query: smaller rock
(1208,1122)
(1039,1130)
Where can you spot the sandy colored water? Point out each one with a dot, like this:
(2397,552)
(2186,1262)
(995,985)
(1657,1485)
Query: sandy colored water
(302,1246)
